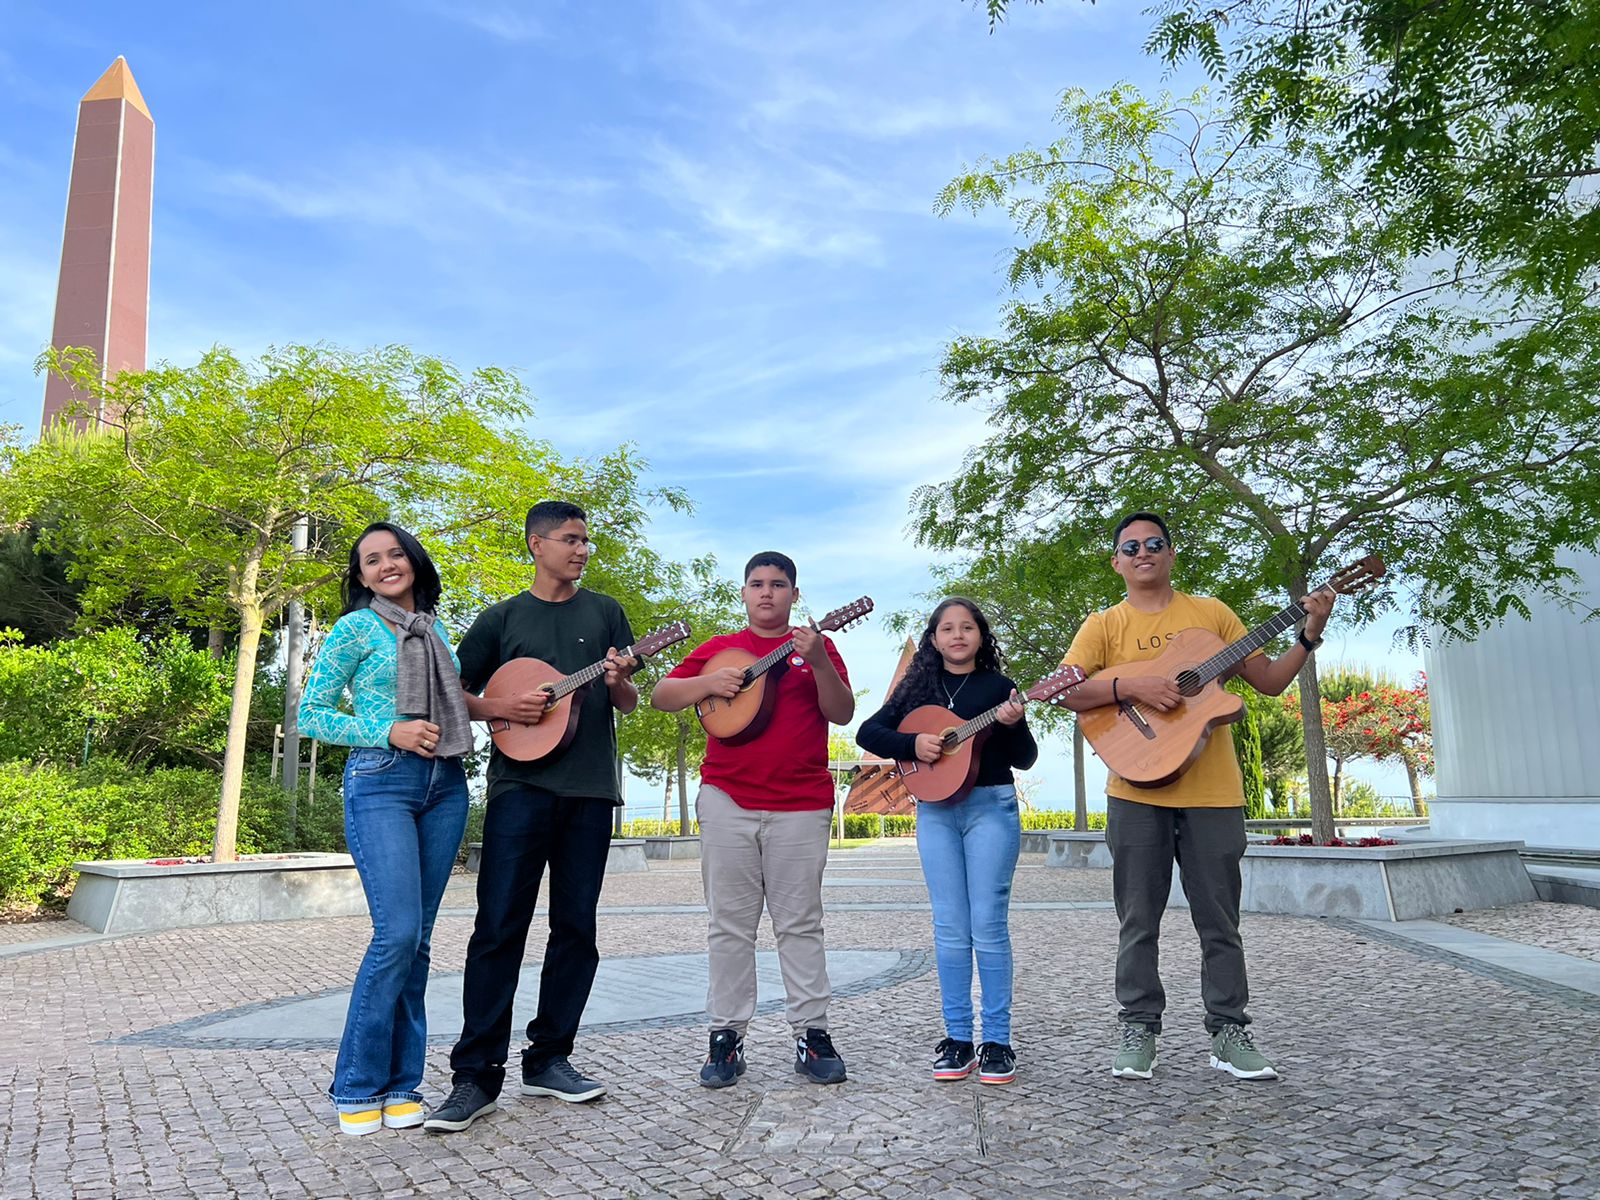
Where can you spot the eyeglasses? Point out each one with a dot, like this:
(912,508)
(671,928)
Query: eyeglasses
(571,541)
(1153,544)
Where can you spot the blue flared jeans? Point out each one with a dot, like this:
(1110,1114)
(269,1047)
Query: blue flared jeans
(969,854)
(403,820)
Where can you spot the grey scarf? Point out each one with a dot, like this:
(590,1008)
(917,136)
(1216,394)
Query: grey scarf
(426,682)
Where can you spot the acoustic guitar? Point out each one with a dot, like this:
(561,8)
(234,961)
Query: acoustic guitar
(742,719)
(952,775)
(558,724)
(1151,749)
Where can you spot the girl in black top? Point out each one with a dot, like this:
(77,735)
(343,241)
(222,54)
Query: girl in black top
(968,847)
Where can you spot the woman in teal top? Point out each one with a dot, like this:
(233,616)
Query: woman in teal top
(405,807)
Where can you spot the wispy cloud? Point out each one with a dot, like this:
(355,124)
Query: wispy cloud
(503,20)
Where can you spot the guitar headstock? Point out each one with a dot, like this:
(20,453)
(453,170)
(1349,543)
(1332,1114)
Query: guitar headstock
(1358,576)
(843,618)
(1053,686)
(658,640)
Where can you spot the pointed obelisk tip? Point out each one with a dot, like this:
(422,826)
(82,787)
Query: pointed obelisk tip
(117,84)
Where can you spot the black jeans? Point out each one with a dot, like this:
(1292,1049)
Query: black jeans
(523,831)
(1207,844)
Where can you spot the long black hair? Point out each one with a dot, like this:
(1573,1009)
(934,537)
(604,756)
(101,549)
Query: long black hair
(920,684)
(425,586)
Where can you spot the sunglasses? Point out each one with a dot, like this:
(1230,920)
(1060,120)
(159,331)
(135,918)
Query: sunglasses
(1153,544)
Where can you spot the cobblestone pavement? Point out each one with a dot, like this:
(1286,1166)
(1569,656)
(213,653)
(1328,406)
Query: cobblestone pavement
(1564,928)
(1405,1074)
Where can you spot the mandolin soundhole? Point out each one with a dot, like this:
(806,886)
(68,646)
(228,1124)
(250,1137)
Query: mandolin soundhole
(1189,682)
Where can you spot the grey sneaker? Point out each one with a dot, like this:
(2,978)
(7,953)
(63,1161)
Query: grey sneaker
(563,1081)
(1233,1050)
(1137,1057)
(466,1103)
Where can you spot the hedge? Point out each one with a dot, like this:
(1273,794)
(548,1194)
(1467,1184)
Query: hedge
(51,817)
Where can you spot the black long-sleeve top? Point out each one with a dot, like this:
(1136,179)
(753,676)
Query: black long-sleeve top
(1007,746)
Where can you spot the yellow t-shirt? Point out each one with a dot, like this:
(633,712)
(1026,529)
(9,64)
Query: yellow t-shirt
(1122,634)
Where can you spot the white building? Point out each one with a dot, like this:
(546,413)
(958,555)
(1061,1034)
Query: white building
(1516,727)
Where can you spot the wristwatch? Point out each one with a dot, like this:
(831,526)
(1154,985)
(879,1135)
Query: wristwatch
(1309,646)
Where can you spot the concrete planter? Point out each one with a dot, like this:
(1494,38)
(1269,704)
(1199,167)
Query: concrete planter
(136,896)
(1064,848)
(626,854)
(1408,882)
(661,848)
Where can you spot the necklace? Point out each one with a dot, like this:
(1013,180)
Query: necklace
(950,697)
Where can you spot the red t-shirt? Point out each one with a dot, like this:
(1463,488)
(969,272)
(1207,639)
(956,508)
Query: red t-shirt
(785,768)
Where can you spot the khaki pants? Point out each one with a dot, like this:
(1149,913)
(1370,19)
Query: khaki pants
(748,856)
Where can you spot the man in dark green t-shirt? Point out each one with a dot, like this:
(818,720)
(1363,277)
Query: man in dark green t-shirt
(555,812)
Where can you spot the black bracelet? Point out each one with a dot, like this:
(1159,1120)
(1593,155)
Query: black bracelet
(1115,699)
(1307,644)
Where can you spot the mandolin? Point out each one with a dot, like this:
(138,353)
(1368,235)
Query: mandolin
(558,724)
(1151,749)
(952,776)
(742,718)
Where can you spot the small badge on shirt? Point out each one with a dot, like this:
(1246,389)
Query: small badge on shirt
(796,661)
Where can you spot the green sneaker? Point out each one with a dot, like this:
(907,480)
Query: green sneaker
(1137,1058)
(1233,1050)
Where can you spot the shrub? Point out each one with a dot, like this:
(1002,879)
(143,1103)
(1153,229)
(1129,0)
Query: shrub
(51,817)
(648,827)
(160,702)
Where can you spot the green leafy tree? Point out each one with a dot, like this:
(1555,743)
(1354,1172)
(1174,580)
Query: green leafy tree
(1233,333)
(671,746)
(191,491)
(1476,124)
(1283,745)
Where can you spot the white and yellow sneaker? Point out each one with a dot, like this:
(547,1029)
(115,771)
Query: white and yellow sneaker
(367,1120)
(403,1114)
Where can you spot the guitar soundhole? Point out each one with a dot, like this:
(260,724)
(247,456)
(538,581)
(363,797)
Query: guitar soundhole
(1189,683)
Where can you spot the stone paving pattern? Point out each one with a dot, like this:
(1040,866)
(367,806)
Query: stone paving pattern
(1405,1074)
(1565,928)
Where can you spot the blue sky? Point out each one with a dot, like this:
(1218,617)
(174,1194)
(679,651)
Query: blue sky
(703,227)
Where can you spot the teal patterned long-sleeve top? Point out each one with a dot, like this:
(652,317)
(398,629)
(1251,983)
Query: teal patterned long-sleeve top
(359,655)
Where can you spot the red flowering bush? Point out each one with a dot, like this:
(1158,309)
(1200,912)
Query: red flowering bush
(1305,840)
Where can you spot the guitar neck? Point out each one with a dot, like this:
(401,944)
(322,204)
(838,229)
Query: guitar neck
(1223,661)
(571,683)
(975,725)
(767,661)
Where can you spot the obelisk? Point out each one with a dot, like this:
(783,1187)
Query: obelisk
(103,296)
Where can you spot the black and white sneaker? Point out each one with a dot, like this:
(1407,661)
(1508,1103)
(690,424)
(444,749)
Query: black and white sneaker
(465,1104)
(725,1063)
(561,1079)
(953,1059)
(997,1063)
(816,1059)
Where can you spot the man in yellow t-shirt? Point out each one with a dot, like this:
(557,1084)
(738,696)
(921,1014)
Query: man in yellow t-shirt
(1197,821)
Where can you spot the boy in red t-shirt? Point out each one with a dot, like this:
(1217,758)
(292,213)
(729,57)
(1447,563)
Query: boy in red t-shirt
(764,809)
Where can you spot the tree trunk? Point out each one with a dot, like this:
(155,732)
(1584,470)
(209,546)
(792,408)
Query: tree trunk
(683,778)
(1316,753)
(1338,783)
(216,642)
(666,792)
(225,847)
(1080,790)
(1418,805)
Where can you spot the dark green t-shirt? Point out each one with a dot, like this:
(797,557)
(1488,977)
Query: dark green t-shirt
(569,636)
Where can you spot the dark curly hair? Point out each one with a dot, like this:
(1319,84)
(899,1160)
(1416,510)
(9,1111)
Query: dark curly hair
(920,684)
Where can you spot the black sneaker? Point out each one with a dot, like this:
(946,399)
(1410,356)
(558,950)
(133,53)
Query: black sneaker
(997,1063)
(561,1080)
(465,1104)
(725,1063)
(816,1059)
(953,1059)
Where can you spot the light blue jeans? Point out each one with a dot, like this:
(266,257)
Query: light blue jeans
(969,854)
(403,820)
